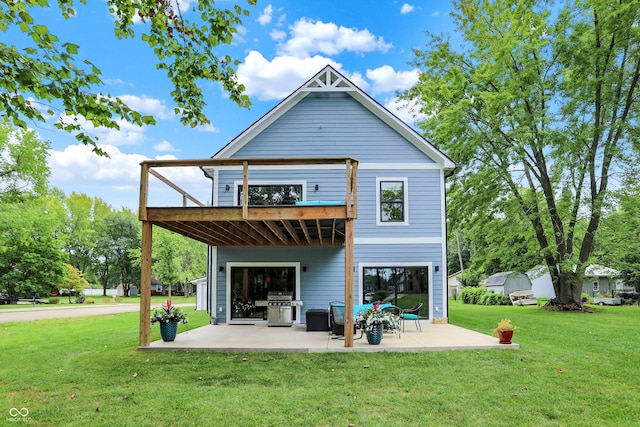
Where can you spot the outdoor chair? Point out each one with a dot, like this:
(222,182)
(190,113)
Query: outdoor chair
(336,319)
(412,314)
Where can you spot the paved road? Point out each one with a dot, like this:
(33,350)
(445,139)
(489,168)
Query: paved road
(23,313)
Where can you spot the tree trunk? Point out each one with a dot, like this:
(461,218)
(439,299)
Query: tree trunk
(568,288)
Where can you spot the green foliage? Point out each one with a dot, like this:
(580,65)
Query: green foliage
(538,107)
(73,279)
(45,76)
(471,295)
(470,278)
(89,301)
(478,295)
(23,164)
(30,258)
(586,297)
(54,300)
(169,313)
(492,298)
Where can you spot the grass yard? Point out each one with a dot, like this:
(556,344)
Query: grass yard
(573,369)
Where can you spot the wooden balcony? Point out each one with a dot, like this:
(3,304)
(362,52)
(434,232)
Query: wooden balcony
(283,225)
(293,225)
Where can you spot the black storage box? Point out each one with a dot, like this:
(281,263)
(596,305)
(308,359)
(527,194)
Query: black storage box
(317,320)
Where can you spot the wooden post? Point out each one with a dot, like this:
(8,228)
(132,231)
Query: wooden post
(348,283)
(145,284)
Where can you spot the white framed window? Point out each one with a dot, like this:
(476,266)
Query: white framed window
(596,286)
(392,201)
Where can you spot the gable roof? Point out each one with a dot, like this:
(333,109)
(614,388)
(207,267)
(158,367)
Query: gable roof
(330,80)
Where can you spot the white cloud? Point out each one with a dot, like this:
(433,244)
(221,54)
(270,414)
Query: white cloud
(309,37)
(129,134)
(386,79)
(406,8)
(146,105)
(116,179)
(276,79)
(164,146)
(278,35)
(266,16)
(207,128)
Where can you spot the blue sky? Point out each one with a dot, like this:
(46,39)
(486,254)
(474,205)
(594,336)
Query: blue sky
(280,45)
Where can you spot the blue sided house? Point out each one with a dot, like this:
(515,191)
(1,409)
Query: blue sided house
(328,197)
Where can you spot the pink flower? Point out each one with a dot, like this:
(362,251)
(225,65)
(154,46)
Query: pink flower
(169,304)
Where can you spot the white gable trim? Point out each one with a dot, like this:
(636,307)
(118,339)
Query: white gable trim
(330,80)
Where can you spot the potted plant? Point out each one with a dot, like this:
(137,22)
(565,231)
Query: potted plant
(168,316)
(375,321)
(505,331)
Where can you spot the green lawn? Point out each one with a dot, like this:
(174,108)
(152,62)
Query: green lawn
(573,369)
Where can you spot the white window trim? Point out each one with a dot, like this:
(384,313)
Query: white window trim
(596,286)
(405,183)
(427,264)
(237,184)
(230,265)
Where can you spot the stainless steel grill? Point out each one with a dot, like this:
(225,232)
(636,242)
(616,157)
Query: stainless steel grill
(279,308)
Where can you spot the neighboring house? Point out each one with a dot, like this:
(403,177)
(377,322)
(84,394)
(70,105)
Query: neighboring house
(600,279)
(541,283)
(507,281)
(454,286)
(399,234)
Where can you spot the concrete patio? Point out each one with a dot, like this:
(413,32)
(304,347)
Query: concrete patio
(296,339)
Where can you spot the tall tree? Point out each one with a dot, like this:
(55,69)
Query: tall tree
(538,103)
(23,164)
(30,256)
(80,230)
(45,74)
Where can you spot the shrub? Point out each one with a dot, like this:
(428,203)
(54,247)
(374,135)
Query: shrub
(54,300)
(89,301)
(471,294)
(586,297)
(492,298)
(80,298)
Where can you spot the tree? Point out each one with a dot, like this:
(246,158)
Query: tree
(73,279)
(80,230)
(539,105)
(117,233)
(30,257)
(166,261)
(23,164)
(45,74)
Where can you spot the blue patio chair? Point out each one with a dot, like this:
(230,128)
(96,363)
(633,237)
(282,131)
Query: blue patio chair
(412,313)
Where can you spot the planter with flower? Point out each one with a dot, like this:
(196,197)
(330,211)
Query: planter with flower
(375,321)
(504,330)
(168,316)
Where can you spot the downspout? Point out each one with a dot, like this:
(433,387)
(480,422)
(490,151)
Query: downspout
(445,270)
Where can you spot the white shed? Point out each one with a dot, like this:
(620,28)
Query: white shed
(506,282)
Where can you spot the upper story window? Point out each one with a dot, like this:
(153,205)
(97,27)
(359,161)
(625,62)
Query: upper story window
(272,194)
(391,196)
